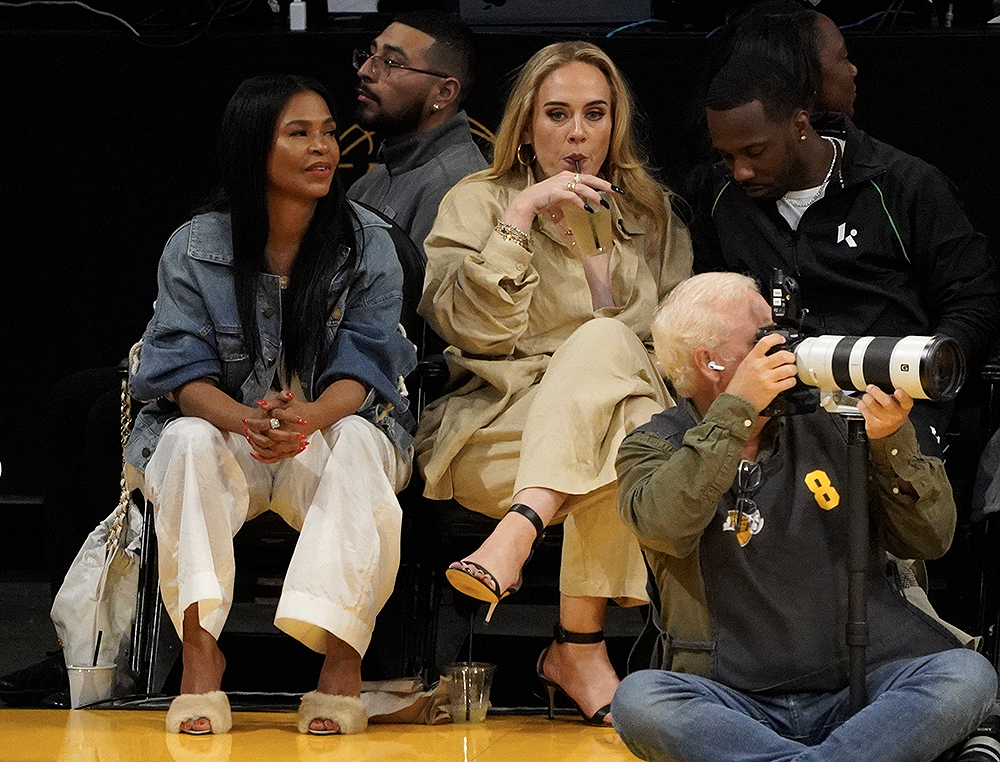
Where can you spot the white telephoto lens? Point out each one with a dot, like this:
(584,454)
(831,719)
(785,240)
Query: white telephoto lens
(925,367)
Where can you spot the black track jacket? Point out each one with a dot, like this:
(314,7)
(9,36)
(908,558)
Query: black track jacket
(890,253)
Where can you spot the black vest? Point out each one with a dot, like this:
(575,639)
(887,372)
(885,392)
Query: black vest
(778,603)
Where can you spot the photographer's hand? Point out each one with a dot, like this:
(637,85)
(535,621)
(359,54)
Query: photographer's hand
(760,377)
(884,414)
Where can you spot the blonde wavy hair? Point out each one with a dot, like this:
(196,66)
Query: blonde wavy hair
(626,164)
(698,313)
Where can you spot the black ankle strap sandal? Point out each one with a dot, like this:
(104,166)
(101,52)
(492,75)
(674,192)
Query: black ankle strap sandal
(478,582)
(562,635)
(529,513)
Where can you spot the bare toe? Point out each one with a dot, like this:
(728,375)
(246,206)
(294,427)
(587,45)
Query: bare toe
(199,725)
(324,725)
(475,571)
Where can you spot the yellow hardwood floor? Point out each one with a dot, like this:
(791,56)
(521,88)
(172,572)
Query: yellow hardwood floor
(87,735)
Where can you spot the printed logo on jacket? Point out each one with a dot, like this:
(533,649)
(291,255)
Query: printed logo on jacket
(751,522)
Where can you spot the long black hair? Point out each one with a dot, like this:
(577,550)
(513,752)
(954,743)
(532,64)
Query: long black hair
(327,253)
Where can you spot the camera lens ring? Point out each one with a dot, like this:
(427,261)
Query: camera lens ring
(942,368)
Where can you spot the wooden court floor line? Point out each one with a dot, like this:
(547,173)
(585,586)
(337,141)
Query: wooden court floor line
(46,735)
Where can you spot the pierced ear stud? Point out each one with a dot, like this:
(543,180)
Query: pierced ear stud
(436,107)
(802,137)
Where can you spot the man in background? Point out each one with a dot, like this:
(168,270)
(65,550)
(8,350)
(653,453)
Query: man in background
(414,80)
(876,239)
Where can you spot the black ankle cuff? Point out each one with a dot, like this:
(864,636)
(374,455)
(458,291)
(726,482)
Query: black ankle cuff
(531,516)
(562,635)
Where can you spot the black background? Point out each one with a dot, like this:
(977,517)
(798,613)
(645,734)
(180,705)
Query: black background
(107,144)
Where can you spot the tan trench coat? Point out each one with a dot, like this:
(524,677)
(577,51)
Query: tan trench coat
(533,400)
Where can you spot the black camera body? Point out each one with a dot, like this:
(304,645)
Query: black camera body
(925,367)
(788,316)
(984,743)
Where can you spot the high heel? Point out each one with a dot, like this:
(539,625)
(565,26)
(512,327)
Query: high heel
(562,635)
(486,588)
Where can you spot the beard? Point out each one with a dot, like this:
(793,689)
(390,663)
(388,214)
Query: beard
(402,121)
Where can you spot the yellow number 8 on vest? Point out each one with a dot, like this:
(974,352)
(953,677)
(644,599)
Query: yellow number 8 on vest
(824,492)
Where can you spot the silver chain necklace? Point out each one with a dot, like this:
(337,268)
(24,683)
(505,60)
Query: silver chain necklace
(826,180)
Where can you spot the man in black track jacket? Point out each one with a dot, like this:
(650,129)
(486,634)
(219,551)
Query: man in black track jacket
(875,238)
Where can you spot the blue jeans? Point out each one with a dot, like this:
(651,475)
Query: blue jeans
(917,709)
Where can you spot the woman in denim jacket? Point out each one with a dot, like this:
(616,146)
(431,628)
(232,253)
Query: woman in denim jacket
(273,358)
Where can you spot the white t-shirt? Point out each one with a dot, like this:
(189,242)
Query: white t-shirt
(793,204)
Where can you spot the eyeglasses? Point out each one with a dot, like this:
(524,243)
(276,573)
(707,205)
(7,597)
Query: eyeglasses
(382,67)
(747,483)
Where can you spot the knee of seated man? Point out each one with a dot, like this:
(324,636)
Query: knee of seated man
(633,707)
(974,677)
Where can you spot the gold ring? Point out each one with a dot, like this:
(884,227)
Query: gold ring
(576,177)
(571,185)
(275,423)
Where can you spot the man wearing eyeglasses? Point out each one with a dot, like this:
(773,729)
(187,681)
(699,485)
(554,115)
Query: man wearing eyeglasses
(742,522)
(413,81)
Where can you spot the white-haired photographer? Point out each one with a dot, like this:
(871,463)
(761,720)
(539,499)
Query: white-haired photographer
(742,520)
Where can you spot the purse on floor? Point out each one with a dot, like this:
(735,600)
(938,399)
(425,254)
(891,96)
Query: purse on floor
(96,603)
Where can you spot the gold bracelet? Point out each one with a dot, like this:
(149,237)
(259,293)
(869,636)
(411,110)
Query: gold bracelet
(514,234)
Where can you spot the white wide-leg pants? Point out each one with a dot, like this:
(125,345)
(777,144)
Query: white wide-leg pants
(340,494)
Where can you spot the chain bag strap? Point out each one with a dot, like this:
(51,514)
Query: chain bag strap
(118,530)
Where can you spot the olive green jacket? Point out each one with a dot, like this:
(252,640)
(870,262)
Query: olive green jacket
(670,492)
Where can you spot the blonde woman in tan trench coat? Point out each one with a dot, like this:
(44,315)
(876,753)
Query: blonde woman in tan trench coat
(548,357)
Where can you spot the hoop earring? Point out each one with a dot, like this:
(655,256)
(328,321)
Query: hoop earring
(525,154)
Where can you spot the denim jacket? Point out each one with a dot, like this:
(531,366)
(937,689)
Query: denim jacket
(195,333)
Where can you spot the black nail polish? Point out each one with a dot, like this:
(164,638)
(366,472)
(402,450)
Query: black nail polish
(605,204)
(617,190)
(587,207)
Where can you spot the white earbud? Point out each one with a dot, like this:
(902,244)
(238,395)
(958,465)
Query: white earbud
(715,366)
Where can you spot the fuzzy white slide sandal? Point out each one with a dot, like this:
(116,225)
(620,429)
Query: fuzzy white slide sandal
(213,706)
(345,711)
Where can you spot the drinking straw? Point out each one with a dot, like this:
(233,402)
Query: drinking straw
(97,646)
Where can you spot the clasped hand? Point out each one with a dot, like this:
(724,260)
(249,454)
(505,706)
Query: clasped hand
(270,443)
